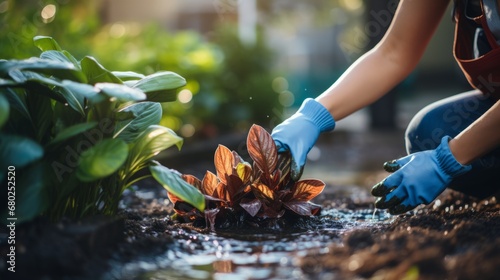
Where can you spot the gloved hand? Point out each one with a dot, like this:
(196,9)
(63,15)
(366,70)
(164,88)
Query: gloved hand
(299,133)
(418,178)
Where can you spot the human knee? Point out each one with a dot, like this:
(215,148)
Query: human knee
(424,132)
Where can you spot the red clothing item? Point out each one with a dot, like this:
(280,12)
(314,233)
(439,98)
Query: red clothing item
(483,72)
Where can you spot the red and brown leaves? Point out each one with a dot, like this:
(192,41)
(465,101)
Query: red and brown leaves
(223,161)
(263,192)
(303,208)
(262,189)
(251,206)
(262,149)
(306,190)
(209,183)
(244,171)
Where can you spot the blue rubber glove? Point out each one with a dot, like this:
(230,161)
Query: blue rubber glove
(299,133)
(418,178)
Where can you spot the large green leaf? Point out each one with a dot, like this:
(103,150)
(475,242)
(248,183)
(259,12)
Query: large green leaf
(46,43)
(17,76)
(40,84)
(73,60)
(4,110)
(128,75)
(121,93)
(18,151)
(96,73)
(7,83)
(32,63)
(143,114)
(161,86)
(61,70)
(63,56)
(129,83)
(72,131)
(152,141)
(74,101)
(172,181)
(102,160)
(25,76)
(84,91)
(69,92)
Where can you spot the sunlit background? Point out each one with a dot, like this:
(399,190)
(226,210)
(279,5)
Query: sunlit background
(251,61)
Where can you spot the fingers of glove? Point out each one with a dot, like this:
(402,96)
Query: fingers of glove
(400,209)
(381,189)
(395,165)
(388,184)
(384,202)
(398,202)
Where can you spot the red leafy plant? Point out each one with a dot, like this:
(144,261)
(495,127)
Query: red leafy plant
(240,192)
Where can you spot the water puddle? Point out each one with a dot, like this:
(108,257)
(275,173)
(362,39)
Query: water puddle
(248,254)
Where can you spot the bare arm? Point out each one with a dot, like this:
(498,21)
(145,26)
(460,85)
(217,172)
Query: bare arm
(388,63)
(479,138)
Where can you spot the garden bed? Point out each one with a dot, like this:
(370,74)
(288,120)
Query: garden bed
(454,238)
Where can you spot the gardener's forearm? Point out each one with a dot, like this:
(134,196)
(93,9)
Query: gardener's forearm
(479,138)
(364,82)
(379,70)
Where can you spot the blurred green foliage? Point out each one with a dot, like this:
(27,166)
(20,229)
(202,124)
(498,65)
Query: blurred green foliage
(70,22)
(229,84)
(244,87)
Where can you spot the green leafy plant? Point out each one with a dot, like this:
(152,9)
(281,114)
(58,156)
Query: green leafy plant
(241,192)
(78,134)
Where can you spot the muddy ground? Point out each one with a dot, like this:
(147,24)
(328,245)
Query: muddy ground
(455,237)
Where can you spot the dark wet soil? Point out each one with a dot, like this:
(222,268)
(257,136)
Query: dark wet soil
(455,237)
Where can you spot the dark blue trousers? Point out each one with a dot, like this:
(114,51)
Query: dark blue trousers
(449,117)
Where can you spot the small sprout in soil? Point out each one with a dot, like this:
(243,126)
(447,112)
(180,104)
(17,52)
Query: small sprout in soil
(241,193)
